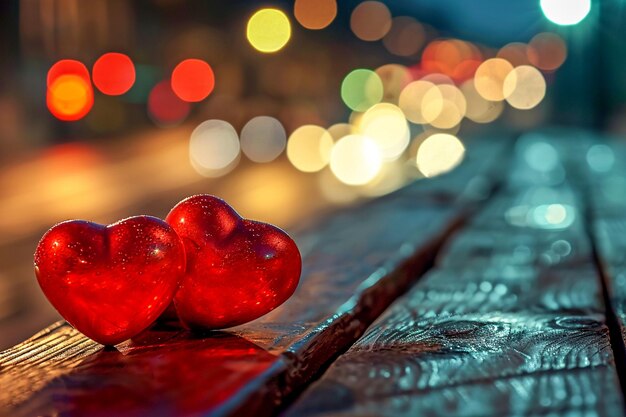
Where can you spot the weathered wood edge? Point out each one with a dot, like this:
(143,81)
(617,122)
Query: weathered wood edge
(297,367)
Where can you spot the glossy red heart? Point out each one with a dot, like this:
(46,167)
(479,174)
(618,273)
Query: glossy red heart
(110,282)
(237,269)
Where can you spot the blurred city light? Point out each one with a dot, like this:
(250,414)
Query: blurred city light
(444,106)
(268,30)
(113,73)
(406,36)
(370,20)
(164,107)
(412,100)
(524,87)
(386,125)
(439,153)
(355,160)
(193,80)
(565,12)
(361,89)
(213,147)
(490,76)
(547,51)
(69,97)
(309,147)
(263,139)
(480,110)
(67,67)
(315,14)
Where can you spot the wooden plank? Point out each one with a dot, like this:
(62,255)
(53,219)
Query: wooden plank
(511,322)
(605,178)
(355,263)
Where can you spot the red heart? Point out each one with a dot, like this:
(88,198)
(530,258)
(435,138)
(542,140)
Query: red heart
(237,269)
(110,282)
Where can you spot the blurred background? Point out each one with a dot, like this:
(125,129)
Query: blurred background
(286,109)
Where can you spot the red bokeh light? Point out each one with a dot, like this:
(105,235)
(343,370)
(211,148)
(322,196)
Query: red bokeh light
(193,80)
(67,67)
(164,106)
(113,73)
(69,97)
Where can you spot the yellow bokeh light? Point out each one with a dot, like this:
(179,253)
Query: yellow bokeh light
(315,14)
(489,78)
(439,153)
(390,177)
(480,110)
(387,126)
(444,106)
(524,87)
(268,30)
(394,78)
(339,130)
(370,20)
(355,160)
(309,147)
(412,100)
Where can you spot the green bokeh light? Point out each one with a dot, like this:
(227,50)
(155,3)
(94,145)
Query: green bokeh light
(361,89)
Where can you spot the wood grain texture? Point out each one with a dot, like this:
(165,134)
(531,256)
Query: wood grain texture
(605,180)
(510,322)
(355,263)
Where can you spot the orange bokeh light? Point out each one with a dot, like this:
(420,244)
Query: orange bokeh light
(113,73)
(193,80)
(547,51)
(315,14)
(452,57)
(67,67)
(69,97)
(164,106)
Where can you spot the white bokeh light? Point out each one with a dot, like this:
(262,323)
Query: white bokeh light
(565,12)
(263,139)
(355,160)
(213,147)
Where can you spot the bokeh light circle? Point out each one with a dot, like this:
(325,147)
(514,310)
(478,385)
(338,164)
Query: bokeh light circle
(394,78)
(370,20)
(565,12)
(355,160)
(547,51)
(213,146)
(524,87)
(444,106)
(315,14)
(268,30)
(439,153)
(263,139)
(193,80)
(67,67)
(412,100)
(309,147)
(69,97)
(490,76)
(113,73)
(164,107)
(361,89)
(406,36)
(480,110)
(386,125)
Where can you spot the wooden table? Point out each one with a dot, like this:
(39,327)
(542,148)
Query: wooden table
(494,290)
